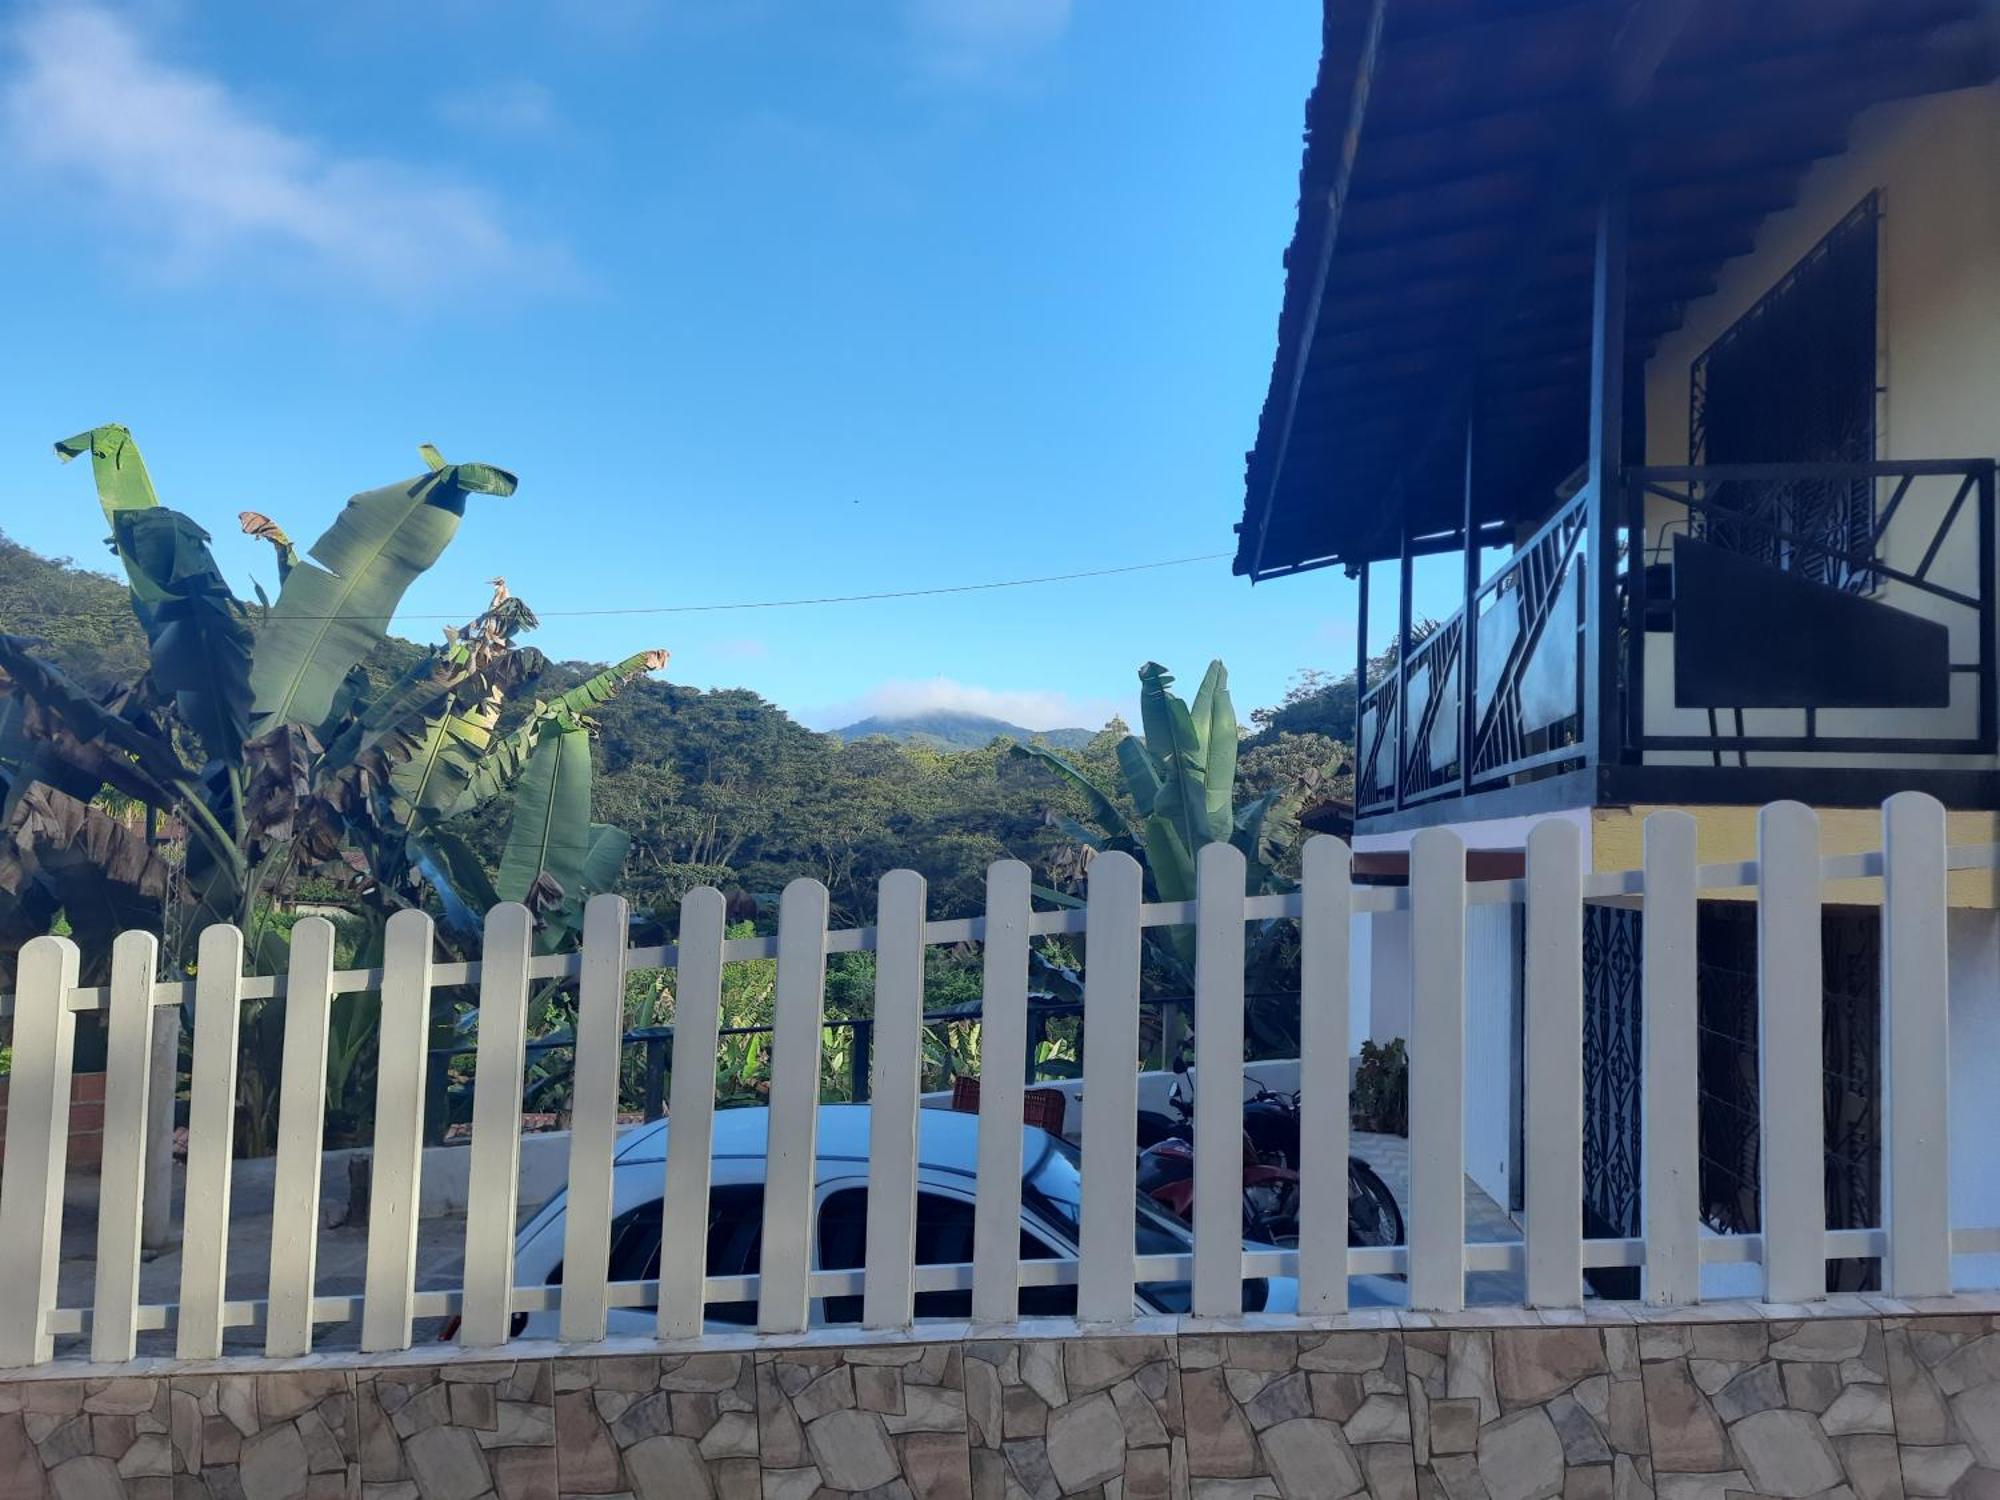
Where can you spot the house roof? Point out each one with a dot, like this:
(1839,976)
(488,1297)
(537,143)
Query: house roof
(1446,219)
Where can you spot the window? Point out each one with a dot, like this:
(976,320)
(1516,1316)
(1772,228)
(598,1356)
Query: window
(1794,381)
(735,1231)
(944,1238)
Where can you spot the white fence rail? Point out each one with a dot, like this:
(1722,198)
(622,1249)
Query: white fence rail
(1915,1238)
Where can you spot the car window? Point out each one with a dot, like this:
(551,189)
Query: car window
(735,1232)
(944,1238)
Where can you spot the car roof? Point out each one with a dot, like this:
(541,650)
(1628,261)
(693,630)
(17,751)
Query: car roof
(947,1140)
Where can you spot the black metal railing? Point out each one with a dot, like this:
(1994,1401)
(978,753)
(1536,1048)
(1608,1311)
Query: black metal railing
(1929,536)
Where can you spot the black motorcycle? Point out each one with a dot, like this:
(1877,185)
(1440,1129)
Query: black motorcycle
(1271,1139)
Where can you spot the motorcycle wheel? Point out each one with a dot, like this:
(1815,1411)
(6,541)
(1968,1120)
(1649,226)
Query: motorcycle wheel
(1373,1218)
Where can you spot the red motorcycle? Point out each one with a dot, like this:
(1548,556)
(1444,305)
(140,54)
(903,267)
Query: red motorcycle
(1270,1193)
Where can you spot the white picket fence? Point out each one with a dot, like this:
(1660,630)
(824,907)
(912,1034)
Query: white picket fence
(1916,1238)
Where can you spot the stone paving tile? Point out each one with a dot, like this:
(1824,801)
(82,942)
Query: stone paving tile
(1944,1387)
(888,1422)
(1771,1408)
(1528,1414)
(85,1440)
(457,1432)
(289,1435)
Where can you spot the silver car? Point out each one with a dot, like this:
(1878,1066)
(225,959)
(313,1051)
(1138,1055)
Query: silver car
(947,1151)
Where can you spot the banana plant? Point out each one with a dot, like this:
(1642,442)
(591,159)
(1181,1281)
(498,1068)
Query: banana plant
(256,740)
(1176,794)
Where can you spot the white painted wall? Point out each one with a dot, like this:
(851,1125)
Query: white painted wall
(1974,956)
(1492,1001)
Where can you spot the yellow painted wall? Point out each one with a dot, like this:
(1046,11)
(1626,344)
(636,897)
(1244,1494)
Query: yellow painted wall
(1730,833)
(1936,163)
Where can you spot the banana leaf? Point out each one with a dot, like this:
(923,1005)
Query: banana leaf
(122,481)
(1140,775)
(1175,746)
(439,759)
(330,616)
(25,676)
(1102,808)
(198,632)
(1214,719)
(604,858)
(549,839)
(508,757)
(445,860)
(1168,858)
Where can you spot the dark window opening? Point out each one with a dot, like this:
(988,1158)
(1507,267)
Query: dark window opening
(735,1234)
(1794,381)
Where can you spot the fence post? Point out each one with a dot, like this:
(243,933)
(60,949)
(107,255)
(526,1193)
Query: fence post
(889,1286)
(1218,1081)
(1916,1037)
(1324,935)
(792,1147)
(128,1071)
(1670,1131)
(697,1018)
(600,1023)
(36,1153)
(1437,1071)
(1004,1059)
(1790,1054)
(218,1010)
(493,1170)
(1110,1089)
(288,1322)
(397,1154)
(163,1057)
(1553,980)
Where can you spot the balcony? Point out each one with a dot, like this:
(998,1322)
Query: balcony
(1823,631)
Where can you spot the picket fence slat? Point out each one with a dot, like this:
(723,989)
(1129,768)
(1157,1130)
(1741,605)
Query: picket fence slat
(888,1298)
(390,1277)
(697,1020)
(494,1170)
(1003,1058)
(792,1146)
(1786,880)
(1552,978)
(593,1138)
(288,1321)
(1790,1056)
(1325,938)
(1218,1082)
(128,1073)
(218,1014)
(36,1152)
(1916,1043)
(1670,1130)
(1437,1071)
(1110,1090)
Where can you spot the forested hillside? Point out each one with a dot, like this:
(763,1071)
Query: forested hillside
(723,787)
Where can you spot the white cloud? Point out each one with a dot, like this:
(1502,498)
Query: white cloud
(1031,708)
(974,40)
(189,180)
(517,110)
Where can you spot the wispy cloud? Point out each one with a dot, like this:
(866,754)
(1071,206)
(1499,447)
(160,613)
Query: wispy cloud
(971,41)
(191,181)
(521,109)
(1031,708)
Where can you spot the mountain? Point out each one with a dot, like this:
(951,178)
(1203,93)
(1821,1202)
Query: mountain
(944,729)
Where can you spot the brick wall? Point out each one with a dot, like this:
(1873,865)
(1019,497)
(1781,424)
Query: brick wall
(86,1118)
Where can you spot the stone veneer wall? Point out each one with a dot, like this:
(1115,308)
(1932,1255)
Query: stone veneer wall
(1861,1401)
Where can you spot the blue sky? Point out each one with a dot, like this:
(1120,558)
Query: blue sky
(761,299)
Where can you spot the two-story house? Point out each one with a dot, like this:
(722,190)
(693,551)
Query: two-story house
(1667,331)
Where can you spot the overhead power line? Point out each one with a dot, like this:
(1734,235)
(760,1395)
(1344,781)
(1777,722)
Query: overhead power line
(743,604)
